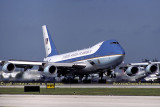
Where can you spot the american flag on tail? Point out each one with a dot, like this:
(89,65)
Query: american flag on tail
(46,40)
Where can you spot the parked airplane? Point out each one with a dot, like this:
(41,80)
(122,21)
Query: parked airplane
(100,58)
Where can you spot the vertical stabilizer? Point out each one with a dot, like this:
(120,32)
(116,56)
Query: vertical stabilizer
(48,42)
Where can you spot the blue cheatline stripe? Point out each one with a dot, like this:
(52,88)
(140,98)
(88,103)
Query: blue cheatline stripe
(53,47)
(82,58)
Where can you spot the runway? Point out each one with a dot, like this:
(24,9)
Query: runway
(79,101)
(60,85)
(106,86)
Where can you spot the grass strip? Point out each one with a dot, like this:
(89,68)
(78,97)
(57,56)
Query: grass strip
(87,91)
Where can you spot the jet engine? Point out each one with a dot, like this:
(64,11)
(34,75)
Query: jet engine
(50,69)
(151,68)
(8,67)
(132,70)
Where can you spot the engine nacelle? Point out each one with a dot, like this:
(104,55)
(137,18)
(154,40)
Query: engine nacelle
(132,70)
(151,68)
(8,67)
(50,69)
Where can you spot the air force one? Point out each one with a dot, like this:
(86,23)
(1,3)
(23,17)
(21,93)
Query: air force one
(100,58)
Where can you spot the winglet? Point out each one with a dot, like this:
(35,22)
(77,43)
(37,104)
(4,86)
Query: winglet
(48,42)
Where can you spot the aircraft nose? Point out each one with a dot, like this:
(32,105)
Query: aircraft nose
(120,58)
(122,51)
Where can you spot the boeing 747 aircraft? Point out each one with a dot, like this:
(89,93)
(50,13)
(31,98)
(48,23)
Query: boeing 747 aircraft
(100,58)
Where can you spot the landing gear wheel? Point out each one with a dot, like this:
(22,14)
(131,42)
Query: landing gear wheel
(69,80)
(113,75)
(102,81)
(87,81)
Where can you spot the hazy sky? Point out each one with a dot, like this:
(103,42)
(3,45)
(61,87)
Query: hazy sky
(78,24)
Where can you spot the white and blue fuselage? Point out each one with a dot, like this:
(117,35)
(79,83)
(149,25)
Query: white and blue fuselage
(104,55)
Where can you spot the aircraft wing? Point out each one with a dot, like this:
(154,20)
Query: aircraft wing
(135,68)
(12,64)
(20,62)
(142,64)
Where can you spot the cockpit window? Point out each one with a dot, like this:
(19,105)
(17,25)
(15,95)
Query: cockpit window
(114,43)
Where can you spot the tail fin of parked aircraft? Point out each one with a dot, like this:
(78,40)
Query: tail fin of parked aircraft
(48,42)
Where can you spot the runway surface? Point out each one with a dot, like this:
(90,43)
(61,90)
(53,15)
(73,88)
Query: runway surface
(91,86)
(105,86)
(79,101)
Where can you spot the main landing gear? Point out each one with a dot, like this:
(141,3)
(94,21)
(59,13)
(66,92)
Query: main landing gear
(110,73)
(86,80)
(101,80)
(70,80)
